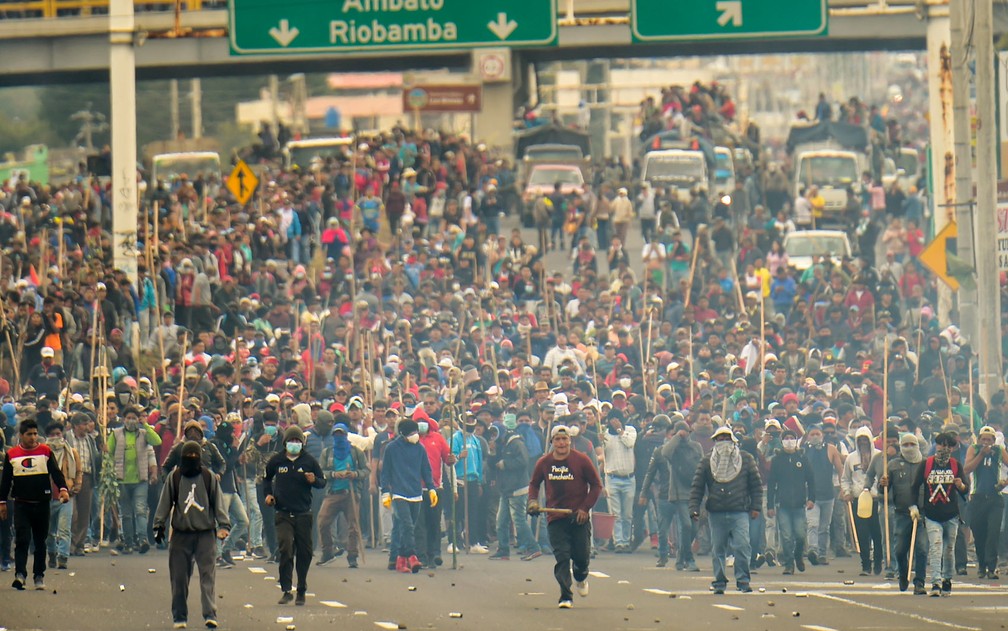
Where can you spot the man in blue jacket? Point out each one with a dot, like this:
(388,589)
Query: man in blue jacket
(405,472)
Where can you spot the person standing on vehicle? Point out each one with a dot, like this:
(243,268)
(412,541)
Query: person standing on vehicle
(193,497)
(291,475)
(730,480)
(572,486)
(29,473)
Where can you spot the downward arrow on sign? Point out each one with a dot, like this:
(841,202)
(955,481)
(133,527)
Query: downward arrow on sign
(503,27)
(284,35)
(731,11)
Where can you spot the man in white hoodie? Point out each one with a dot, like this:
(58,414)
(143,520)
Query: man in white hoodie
(852,485)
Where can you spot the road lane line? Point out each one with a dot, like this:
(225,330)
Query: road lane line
(895,612)
(659,592)
(729,607)
(816,627)
(332,603)
(257,570)
(598,574)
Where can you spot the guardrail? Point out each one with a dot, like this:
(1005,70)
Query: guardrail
(15,9)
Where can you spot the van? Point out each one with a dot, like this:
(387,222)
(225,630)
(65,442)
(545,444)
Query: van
(302,153)
(677,170)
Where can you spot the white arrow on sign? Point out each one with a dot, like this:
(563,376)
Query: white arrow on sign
(285,34)
(503,27)
(731,11)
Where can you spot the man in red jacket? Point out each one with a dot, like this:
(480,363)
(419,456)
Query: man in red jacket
(572,488)
(29,474)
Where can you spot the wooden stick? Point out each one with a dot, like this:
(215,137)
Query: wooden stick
(178,424)
(555,511)
(762,351)
(692,272)
(885,446)
(691,387)
(969,370)
(850,513)
(913,545)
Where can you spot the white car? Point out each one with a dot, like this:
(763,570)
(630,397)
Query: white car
(804,245)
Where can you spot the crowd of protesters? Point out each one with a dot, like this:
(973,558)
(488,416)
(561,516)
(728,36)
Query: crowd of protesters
(312,342)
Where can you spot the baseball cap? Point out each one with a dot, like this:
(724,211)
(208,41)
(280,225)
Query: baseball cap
(48,352)
(724,430)
(559,430)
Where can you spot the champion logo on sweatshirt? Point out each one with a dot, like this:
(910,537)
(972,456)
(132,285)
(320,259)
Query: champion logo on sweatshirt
(34,464)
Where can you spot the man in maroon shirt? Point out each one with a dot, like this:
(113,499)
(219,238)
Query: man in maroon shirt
(572,488)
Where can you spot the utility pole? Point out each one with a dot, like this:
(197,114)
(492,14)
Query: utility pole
(122,85)
(942,166)
(173,107)
(988,277)
(963,209)
(196,94)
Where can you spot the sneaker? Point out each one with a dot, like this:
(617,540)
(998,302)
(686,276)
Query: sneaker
(992,575)
(210,623)
(758,562)
(962,572)
(286,598)
(500,556)
(414,564)
(799,564)
(19,582)
(144,546)
(813,558)
(61,562)
(179,624)
(582,587)
(402,565)
(259,553)
(904,583)
(982,574)
(935,590)
(52,560)
(565,604)
(39,583)
(300,600)
(535,554)
(327,558)
(718,591)
(788,571)
(392,566)
(890,575)
(771,559)
(226,558)
(662,562)
(478,549)
(919,590)
(946,587)
(5,566)
(451,548)
(352,562)
(692,567)
(745,589)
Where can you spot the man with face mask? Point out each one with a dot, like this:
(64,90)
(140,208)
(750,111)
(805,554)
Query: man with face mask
(128,446)
(790,492)
(266,440)
(942,488)
(904,482)
(344,465)
(984,460)
(193,497)
(730,480)
(212,458)
(226,443)
(405,473)
(827,465)
(428,527)
(61,515)
(512,481)
(290,477)
(852,483)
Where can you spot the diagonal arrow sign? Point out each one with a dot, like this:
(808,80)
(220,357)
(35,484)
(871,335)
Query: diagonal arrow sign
(241,184)
(731,11)
(284,35)
(503,27)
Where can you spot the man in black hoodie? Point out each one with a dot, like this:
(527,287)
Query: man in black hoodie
(790,492)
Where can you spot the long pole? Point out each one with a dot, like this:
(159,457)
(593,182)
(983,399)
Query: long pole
(885,443)
(178,423)
(691,386)
(762,350)
(692,272)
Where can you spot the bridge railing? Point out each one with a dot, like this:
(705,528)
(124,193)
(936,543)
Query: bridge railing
(15,9)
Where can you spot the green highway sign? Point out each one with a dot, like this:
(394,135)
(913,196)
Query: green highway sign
(660,20)
(331,26)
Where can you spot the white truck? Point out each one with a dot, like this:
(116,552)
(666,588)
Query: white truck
(677,169)
(833,172)
(167,167)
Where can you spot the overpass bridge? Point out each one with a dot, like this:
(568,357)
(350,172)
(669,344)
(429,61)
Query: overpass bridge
(49,41)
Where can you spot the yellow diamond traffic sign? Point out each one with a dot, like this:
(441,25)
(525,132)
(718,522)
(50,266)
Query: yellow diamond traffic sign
(935,255)
(242,182)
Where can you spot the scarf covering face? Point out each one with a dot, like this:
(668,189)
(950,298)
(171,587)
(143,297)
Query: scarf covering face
(726,461)
(341,444)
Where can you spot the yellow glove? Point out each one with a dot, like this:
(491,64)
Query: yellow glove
(386,500)
(433,498)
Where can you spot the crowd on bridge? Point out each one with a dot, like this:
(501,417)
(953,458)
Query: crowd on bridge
(300,347)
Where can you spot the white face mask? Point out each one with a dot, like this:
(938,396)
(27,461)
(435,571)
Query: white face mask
(625,382)
(413,438)
(790,444)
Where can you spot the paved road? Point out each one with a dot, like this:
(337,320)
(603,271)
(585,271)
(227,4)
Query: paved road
(627,592)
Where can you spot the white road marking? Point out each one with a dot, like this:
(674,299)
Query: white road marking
(896,612)
(659,592)
(257,570)
(598,574)
(332,603)
(386,625)
(815,627)
(729,607)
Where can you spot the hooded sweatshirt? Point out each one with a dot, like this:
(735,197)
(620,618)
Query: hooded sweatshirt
(196,503)
(437,449)
(854,477)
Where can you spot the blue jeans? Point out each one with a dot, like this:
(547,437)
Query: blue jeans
(512,509)
(941,550)
(60,518)
(404,516)
(730,529)
(255,516)
(903,529)
(133,511)
(819,518)
(677,512)
(621,503)
(792,529)
(239,520)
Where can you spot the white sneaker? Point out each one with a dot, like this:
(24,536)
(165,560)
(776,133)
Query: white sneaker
(478,549)
(451,548)
(565,604)
(582,587)
(179,625)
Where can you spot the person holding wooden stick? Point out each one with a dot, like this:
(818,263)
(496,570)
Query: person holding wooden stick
(904,480)
(572,485)
(944,486)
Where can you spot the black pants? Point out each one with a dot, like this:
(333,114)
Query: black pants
(184,550)
(985,519)
(571,543)
(294,542)
(6,537)
(31,522)
(473,506)
(869,533)
(428,531)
